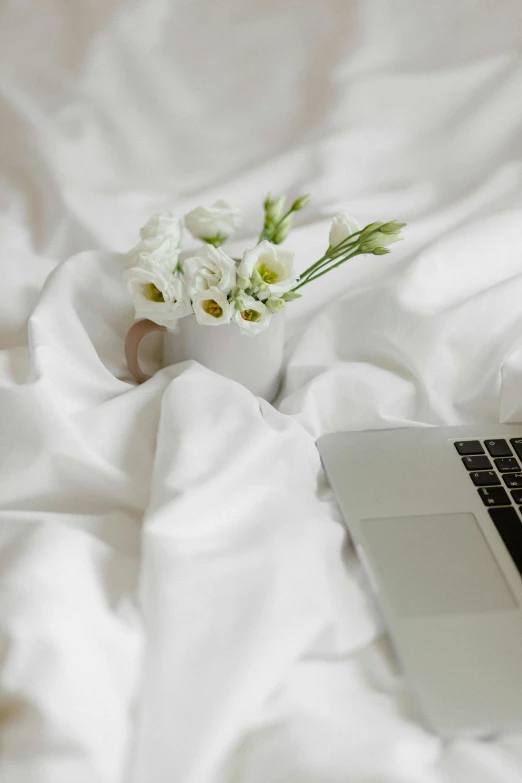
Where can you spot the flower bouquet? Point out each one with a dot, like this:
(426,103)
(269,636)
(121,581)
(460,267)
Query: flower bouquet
(220,290)
(242,296)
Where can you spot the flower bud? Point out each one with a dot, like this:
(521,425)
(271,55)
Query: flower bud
(268,203)
(214,224)
(299,203)
(392,227)
(274,208)
(290,296)
(369,228)
(380,251)
(282,230)
(274,304)
(343,226)
(243,282)
(379,240)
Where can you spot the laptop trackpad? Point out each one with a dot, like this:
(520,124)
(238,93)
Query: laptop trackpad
(435,565)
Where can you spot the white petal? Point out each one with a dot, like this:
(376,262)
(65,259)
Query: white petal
(221,219)
(342,226)
(176,302)
(217,296)
(253,327)
(210,267)
(279,260)
(163,224)
(162,250)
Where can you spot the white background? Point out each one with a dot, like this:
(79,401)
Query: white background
(178,599)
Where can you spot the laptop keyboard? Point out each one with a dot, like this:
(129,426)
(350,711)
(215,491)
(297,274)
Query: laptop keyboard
(495,468)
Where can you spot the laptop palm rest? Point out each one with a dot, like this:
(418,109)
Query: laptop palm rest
(435,565)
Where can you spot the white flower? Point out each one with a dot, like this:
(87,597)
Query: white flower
(212,307)
(342,226)
(158,294)
(161,250)
(209,268)
(254,316)
(274,264)
(214,224)
(163,224)
(160,241)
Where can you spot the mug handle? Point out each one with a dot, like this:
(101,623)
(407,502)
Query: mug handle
(132,342)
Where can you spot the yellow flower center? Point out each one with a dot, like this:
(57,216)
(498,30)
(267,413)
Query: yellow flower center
(212,308)
(154,294)
(250,315)
(268,275)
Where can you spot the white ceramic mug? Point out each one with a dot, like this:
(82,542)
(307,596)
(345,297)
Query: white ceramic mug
(256,362)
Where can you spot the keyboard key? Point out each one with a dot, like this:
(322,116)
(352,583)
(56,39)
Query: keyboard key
(486,478)
(477,463)
(507,464)
(494,496)
(513,480)
(509,526)
(517,495)
(469,447)
(498,448)
(517,445)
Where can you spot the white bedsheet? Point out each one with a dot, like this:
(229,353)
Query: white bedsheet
(178,598)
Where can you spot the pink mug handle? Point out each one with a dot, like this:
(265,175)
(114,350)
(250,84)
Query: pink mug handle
(132,342)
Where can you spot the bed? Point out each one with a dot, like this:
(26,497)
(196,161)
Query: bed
(179,600)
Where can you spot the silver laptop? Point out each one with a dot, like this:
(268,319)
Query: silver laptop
(435,516)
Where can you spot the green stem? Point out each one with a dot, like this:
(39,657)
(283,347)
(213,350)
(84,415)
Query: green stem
(337,250)
(287,214)
(262,234)
(332,253)
(316,264)
(324,271)
(346,243)
(274,227)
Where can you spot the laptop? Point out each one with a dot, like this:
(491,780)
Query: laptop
(435,515)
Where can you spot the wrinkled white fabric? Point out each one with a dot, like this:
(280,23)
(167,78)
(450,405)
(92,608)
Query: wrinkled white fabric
(178,597)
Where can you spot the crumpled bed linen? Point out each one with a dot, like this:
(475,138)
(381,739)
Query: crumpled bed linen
(178,596)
